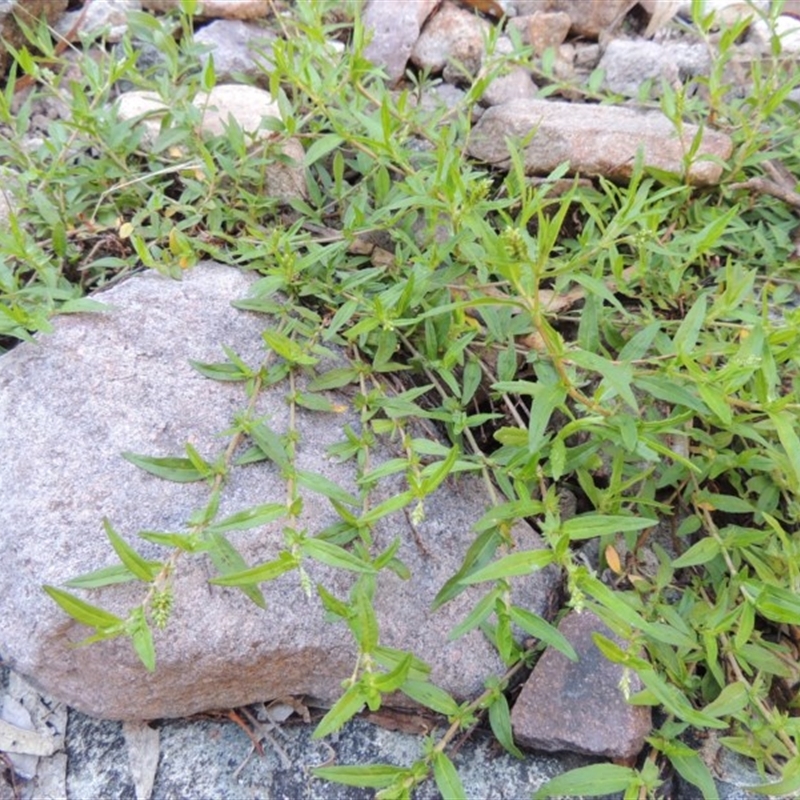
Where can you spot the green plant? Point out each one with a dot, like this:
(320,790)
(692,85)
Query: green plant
(669,400)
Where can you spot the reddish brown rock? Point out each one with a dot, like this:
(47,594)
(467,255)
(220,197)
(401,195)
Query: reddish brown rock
(394,26)
(543,29)
(222,9)
(451,36)
(595,140)
(29,12)
(589,18)
(579,706)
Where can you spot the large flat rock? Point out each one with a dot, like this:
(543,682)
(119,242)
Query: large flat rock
(120,381)
(595,140)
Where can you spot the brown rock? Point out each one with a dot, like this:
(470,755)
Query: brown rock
(29,11)
(452,36)
(395,27)
(543,29)
(579,706)
(594,139)
(589,18)
(221,9)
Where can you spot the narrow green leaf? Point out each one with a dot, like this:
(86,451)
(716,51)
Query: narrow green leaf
(479,553)
(270,443)
(393,680)
(434,474)
(142,569)
(691,768)
(345,708)
(334,379)
(587,526)
(326,487)
(118,573)
(142,638)
(179,470)
(262,572)
(223,371)
(228,561)
(386,507)
(785,424)
(321,147)
(500,721)
(700,552)
(545,401)
(372,776)
(183,541)
(430,696)
(334,556)
(596,780)
(688,331)
(288,349)
(249,518)
(732,699)
(83,612)
(676,703)
(522,563)
(778,605)
(447,781)
(540,628)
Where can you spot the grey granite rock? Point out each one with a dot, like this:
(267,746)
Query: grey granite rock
(121,381)
(594,140)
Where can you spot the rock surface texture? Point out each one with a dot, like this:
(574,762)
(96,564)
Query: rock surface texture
(579,705)
(594,140)
(121,381)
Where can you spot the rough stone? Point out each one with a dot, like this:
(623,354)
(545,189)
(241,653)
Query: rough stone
(29,11)
(589,18)
(595,140)
(514,84)
(452,37)
(394,26)
(543,29)
(100,15)
(249,106)
(121,381)
(627,64)
(238,47)
(225,9)
(579,706)
(787,29)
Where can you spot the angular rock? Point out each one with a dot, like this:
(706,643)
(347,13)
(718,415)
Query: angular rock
(248,106)
(238,47)
(629,63)
(589,18)
(394,26)
(543,29)
(579,706)
(225,9)
(30,12)
(100,15)
(121,381)
(452,37)
(594,139)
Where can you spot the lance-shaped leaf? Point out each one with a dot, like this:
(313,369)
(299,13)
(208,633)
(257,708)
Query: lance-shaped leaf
(261,572)
(179,470)
(374,776)
(105,576)
(345,708)
(447,781)
(334,556)
(142,569)
(228,561)
(587,526)
(521,563)
(249,518)
(597,780)
(84,612)
(540,628)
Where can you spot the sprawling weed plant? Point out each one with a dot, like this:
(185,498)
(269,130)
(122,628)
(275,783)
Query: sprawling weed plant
(634,348)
